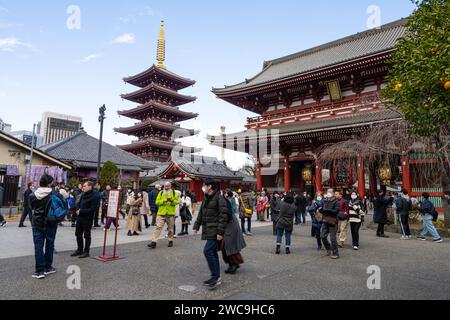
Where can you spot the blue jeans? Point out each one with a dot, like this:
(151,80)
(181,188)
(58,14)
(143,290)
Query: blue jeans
(44,238)
(280,237)
(212,257)
(428,227)
(300,217)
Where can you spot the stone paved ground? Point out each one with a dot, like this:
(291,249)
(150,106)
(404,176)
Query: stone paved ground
(409,270)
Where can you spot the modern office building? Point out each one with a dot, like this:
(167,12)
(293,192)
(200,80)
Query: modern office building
(27,137)
(55,127)
(6,127)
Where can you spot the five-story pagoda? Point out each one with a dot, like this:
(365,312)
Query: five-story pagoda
(158,111)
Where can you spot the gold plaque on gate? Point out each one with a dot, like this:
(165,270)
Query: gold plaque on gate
(334,90)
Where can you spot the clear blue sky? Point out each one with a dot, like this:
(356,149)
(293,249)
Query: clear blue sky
(44,66)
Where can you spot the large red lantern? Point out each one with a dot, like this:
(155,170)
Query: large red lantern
(342,173)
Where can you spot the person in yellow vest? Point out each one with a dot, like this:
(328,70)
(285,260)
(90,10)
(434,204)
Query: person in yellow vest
(166,201)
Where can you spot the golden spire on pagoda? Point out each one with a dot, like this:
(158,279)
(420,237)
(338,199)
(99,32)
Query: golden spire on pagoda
(161,53)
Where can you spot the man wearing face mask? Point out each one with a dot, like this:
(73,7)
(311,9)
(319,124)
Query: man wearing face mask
(212,218)
(166,201)
(330,212)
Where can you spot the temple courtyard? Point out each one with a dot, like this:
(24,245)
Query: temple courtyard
(408,269)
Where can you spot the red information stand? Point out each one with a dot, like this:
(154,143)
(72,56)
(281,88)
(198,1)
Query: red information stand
(113,211)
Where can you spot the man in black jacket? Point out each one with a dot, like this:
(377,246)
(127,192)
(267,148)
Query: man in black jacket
(85,217)
(213,218)
(44,232)
(300,214)
(330,212)
(26,205)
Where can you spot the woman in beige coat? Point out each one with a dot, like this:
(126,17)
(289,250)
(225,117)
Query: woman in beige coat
(134,215)
(145,208)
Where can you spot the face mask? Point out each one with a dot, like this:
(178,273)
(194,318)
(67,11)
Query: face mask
(354,197)
(319,198)
(205,190)
(329,195)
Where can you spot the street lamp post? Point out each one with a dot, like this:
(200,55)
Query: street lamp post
(101,119)
(30,164)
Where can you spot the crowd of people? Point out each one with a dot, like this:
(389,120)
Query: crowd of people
(224,218)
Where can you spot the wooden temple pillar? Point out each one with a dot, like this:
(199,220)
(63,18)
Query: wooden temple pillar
(259,182)
(406,174)
(373,185)
(192,185)
(137,181)
(319,168)
(287,174)
(361,177)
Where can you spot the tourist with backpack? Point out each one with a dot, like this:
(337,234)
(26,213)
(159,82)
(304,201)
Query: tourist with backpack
(403,206)
(89,204)
(47,211)
(429,214)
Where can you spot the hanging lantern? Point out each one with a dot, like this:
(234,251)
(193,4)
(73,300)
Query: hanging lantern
(307,174)
(343,175)
(385,173)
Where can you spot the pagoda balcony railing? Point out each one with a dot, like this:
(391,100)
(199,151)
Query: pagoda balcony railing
(365,102)
(159,120)
(152,137)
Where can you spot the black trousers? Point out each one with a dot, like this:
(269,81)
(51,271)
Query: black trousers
(354,227)
(83,229)
(380,230)
(104,212)
(73,217)
(146,221)
(404,220)
(26,213)
(96,217)
(315,232)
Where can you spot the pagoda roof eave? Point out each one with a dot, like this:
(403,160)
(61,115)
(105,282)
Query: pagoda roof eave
(133,96)
(182,81)
(165,145)
(159,106)
(152,123)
